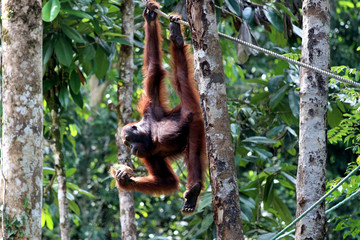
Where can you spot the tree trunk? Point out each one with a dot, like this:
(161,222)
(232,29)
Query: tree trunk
(124,96)
(56,147)
(311,177)
(22,152)
(209,72)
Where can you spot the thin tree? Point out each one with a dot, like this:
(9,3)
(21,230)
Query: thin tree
(22,155)
(123,112)
(311,178)
(56,147)
(209,72)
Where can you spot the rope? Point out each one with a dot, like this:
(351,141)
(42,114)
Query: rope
(276,237)
(268,52)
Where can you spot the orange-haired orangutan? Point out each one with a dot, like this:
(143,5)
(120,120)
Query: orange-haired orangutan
(163,134)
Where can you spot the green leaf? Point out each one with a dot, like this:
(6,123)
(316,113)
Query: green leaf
(275,82)
(89,53)
(74,207)
(286,10)
(259,140)
(275,131)
(50,10)
(281,209)
(233,6)
(48,220)
(63,51)
(205,224)
(266,236)
(64,96)
(345,4)
(70,172)
(77,188)
(77,13)
(334,117)
(248,14)
(274,19)
(278,96)
(294,102)
(269,191)
(205,200)
(48,49)
(101,63)
(78,99)
(42,218)
(119,40)
(72,34)
(263,154)
(48,84)
(48,170)
(75,82)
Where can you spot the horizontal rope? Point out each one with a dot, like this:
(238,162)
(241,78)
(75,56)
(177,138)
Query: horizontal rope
(274,54)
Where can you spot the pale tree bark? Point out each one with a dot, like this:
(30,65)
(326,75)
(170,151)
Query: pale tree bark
(209,72)
(311,178)
(56,147)
(22,117)
(123,111)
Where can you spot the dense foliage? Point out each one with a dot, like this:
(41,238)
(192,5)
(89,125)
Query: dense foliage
(81,40)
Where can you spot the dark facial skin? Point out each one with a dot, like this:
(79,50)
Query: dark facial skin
(138,138)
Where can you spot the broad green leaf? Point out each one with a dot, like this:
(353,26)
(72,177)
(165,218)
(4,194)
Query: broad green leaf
(263,154)
(294,102)
(42,217)
(277,37)
(48,170)
(205,200)
(64,96)
(334,117)
(248,14)
(274,18)
(101,63)
(205,224)
(259,98)
(348,4)
(48,220)
(72,34)
(48,49)
(297,31)
(281,209)
(259,140)
(269,191)
(77,188)
(63,51)
(233,6)
(275,82)
(278,96)
(77,13)
(266,236)
(289,177)
(286,10)
(78,99)
(74,207)
(73,130)
(275,131)
(48,84)
(70,172)
(50,10)
(89,53)
(247,205)
(75,83)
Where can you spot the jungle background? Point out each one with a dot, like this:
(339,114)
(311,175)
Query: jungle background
(80,54)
